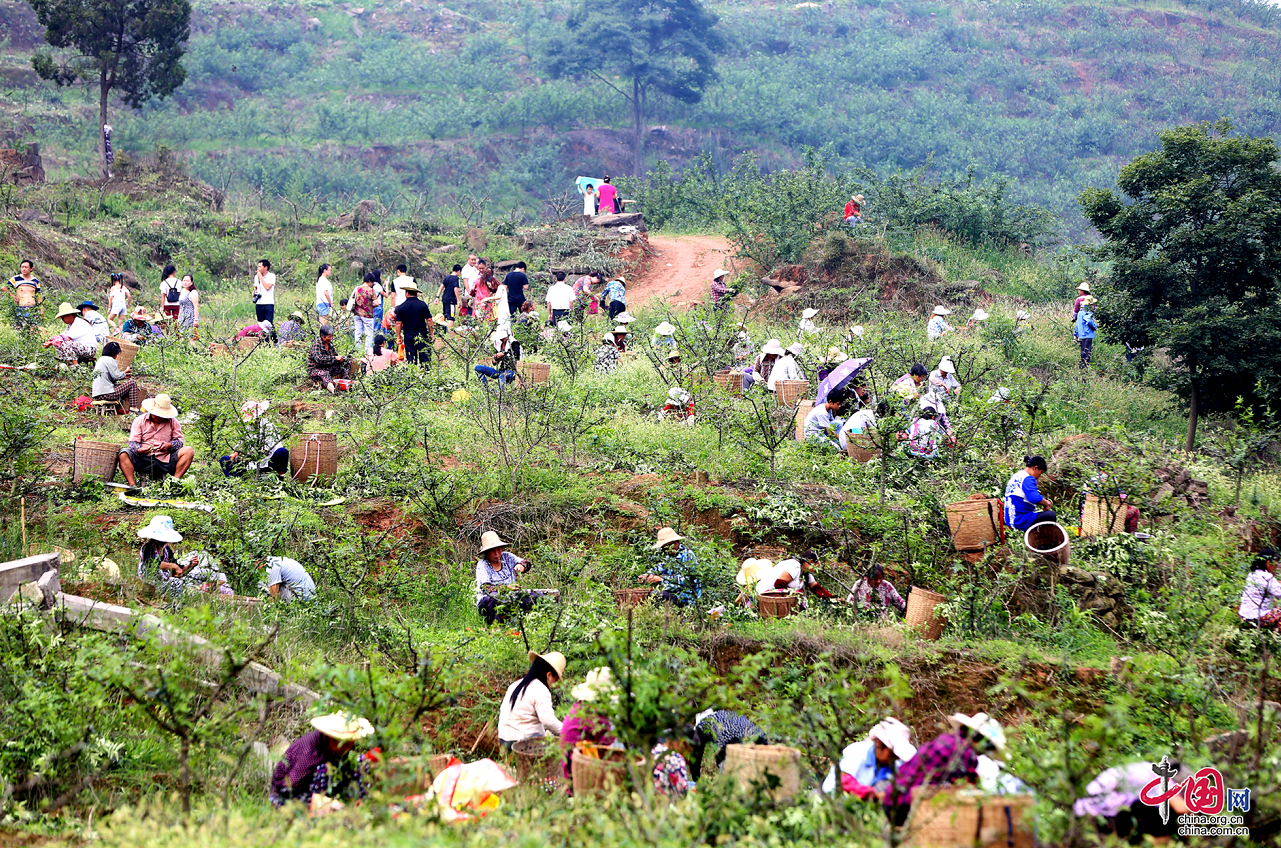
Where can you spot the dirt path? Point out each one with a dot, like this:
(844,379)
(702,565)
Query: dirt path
(679,269)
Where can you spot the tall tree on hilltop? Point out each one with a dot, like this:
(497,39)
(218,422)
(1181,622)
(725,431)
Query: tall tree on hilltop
(133,48)
(1195,244)
(665,46)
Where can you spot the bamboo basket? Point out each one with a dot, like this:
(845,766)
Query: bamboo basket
(592,776)
(729,380)
(314,455)
(859,448)
(951,819)
(976,523)
(789,392)
(921,615)
(533,373)
(94,460)
(537,762)
(777,606)
(217,349)
(128,351)
(248,342)
(437,763)
(756,764)
(1094,517)
(802,410)
(626,598)
(1050,540)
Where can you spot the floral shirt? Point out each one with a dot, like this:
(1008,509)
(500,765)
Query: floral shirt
(677,578)
(606,359)
(671,772)
(881,598)
(937,327)
(616,292)
(306,770)
(504,575)
(922,438)
(364,297)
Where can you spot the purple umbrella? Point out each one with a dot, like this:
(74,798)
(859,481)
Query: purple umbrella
(841,376)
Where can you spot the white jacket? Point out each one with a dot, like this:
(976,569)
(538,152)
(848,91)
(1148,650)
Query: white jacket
(786,368)
(531,717)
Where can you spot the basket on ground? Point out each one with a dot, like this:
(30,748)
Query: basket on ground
(249,342)
(1102,517)
(770,605)
(802,411)
(533,373)
(625,598)
(128,351)
(921,604)
(94,460)
(730,380)
(596,776)
(1050,540)
(219,349)
(776,768)
(976,522)
(790,392)
(538,761)
(963,819)
(859,447)
(314,455)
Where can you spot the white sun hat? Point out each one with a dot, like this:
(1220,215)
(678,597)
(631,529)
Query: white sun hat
(490,540)
(946,366)
(980,315)
(857,330)
(666,536)
(718,273)
(796,349)
(160,529)
(1085,287)
(986,726)
(563,326)
(665,329)
(343,726)
(896,736)
(808,313)
(942,310)
(625,317)
(772,346)
(599,682)
(1022,315)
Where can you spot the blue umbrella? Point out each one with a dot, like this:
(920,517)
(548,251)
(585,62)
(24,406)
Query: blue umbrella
(841,376)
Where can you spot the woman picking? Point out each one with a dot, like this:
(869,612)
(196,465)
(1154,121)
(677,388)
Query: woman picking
(111,383)
(319,762)
(527,711)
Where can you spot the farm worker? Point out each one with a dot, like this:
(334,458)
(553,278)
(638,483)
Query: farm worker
(927,429)
(937,326)
(526,712)
(787,367)
(609,352)
(720,290)
(853,213)
(1112,799)
(943,380)
(112,383)
(822,425)
(675,573)
(155,446)
(583,722)
(763,368)
(324,364)
(1261,598)
(255,330)
(78,339)
(721,728)
(89,312)
(616,294)
(908,387)
(949,758)
(1085,328)
(795,573)
(497,567)
(874,593)
(1022,497)
(318,763)
(1082,292)
(157,559)
(867,767)
(292,330)
(980,315)
(261,448)
(502,365)
(807,327)
(287,580)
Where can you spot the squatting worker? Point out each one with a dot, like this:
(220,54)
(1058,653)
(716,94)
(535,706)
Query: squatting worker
(155,444)
(319,763)
(1024,503)
(527,712)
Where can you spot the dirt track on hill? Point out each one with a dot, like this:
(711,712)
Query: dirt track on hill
(679,269)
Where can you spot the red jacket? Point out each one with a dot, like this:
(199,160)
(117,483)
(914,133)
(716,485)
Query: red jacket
(853,208)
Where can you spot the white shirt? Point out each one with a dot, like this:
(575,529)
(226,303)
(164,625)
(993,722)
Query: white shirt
(100,327)
(324,291)
(560,296)
(399,282)
(268,296)
(469,275)
(1262,594)
(808,327)
(767,578)
(532,716)
(817,422)
(80,331)
(859,422)
(119,299)
(943,384)
(786,368)
(167,284)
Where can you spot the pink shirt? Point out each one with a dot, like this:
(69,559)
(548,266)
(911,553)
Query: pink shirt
(146,432)
(607,195)
(378,363)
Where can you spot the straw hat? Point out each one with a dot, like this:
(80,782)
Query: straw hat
(857,330)
(942,310)
(718,273)
(625,317)
(980,315)
(555,659)
(751,570)
(986,726)
(621,329)
(490,540)
(599,681)
(665,329)
(66,309)
(251,409)
(297,316)
(1085,287)
(835,354)
(410,286)
(896,736)
(1089,300)
(858,198)
(160,406)
(772,346)
(808,314)
(665,537)
(673,354)
(160,529)
(440,320)
(343,727)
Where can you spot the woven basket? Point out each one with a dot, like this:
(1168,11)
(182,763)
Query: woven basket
(948,819)
(217,349)
(789,392)
(1095,515)
(625,598)
(777,606)
(314,455)
(976,523)
(729,380)
(532,373)
(128,351)
(594,776)
(763,765)
(860,448)
(437,763)
(94,460)
(1050,540)
(538,761)
(802,410)
(248,342)
(921,615)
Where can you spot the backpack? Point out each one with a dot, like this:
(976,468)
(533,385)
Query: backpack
(171,296)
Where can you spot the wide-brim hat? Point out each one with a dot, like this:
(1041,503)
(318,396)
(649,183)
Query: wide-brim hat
(490,540)
(608,339)
(66,309)
(563,326)
(555,659)
(665,329)
(624,317)
(835,354)
(896,736)
(986,726)
(621,329)
(673,354)
(409,287)
(806,314)
(343,726)
(160,406)
(750,571)
(666,536)
(980,315)
(857,330)
(440,320)
(160,529)
(1085,287)
(251,409)
(298,315)
(1089,300)
(772,346)
(1022,315)
(599,681)
(86,303)
(678,395)
(947,366)
(858,198)
(942,310)
(796,349)
(140,313)
(718,273)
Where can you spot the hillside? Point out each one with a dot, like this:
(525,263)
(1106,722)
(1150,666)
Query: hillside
(340,101)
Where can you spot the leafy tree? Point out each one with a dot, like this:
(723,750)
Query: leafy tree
(664,46)
(132,47)
(1195,241)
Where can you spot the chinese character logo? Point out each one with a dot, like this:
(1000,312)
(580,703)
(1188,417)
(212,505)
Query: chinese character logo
(1204,792)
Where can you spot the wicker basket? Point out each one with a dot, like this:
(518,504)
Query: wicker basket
(789,392)
(764,765)
(538,762)
(1094,517)
(437,763)
(128,351)
(859,448)
(730,380)
(533,373)
(976,523)
(1050,540)
(802,411)
(217,349)
(921,615)
(592,776)
(314,455)
(777,606)
(94,460)
(948,819)
(626,598)
(248,342)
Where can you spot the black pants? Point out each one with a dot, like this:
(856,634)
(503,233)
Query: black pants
(417,350)
(1087,347)
(1043,515)
(558,314)
(265,312)
(616,308)
(447,309)
(491,609)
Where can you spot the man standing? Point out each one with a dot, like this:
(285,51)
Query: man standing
(560,298)
(155,443)
(1085,328)
(448,293)
(413,322)
(25,292)
(265,292)
(470,274)
(516,281)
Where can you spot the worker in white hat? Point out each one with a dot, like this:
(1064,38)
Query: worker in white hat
(664,335)
(788,366)
(938,326)
(943,380)
(979,316)
(674,574)
(721,292)
(807,326)
(867,767)
(318,763)
(951,757)
(763,368)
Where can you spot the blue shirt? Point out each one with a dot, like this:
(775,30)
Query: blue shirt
(1021,494)
(677,579)
(616,292)
(1085,326)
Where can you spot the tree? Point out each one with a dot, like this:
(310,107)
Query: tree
(1195,246)
(664,46)
(131,47)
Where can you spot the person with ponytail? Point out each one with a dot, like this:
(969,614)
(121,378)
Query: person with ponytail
(324,292)
(1024,503)
(380,357)
(527,712)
